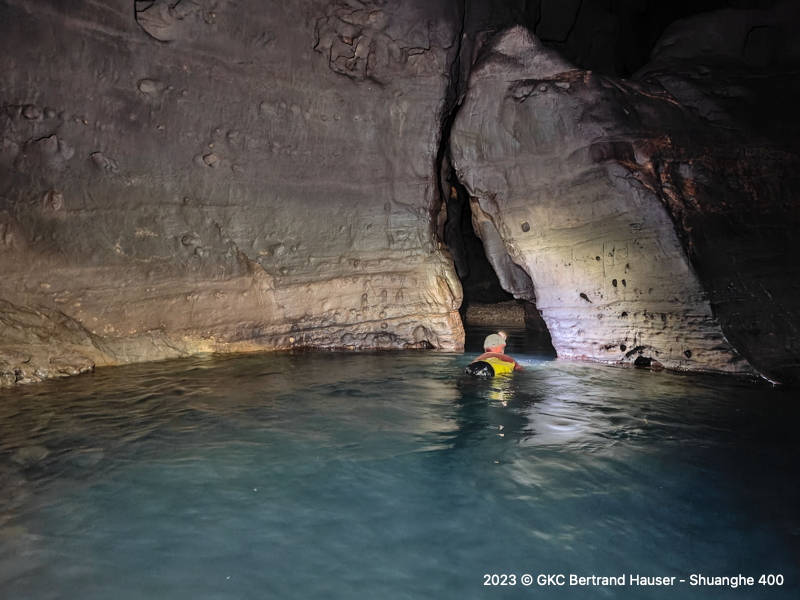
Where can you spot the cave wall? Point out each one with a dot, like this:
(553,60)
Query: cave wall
(208,175)
(218,176)
(657,216)
(608,37)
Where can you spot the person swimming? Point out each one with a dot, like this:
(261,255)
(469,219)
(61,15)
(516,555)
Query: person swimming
(493,361)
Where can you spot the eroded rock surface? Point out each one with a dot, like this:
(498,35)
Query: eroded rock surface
(43,344)
(207,175)
(654,217)
(195,176)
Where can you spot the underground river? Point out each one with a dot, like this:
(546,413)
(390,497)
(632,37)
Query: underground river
(394,475)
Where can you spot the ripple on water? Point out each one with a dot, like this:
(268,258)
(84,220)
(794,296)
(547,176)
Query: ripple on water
(390,475)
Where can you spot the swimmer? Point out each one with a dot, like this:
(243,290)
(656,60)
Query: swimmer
(493,361)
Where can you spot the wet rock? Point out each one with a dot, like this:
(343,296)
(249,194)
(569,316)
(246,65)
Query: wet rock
(150,87)
(104,163)
(53,200)
(308,187)
(511,276)
(9,150)
(623,181)
(159,19)
(32,113)
(421,345)
(168,21)
(29,456)
(43,344)
(647,362)
(306,140)
(86,458)
(191,240)
(72,365)
(12,235)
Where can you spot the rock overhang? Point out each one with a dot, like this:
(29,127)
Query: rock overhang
(588,163)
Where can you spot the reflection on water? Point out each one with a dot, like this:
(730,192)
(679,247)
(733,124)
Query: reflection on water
(392,475)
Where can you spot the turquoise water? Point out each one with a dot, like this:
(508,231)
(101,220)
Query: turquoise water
(392,475)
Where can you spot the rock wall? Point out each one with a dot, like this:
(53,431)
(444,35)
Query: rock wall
(209,175)
(735,197)
(656,217)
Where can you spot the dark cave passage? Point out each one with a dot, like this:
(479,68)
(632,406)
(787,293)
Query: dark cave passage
(478,278)
(615,40)
(496,290)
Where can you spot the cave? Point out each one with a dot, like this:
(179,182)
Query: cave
(251,252)
(496,291)
(322,186)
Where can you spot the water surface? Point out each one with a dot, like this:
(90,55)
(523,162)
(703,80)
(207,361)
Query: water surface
(393,475)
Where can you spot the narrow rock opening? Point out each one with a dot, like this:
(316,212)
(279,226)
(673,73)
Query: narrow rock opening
(496,290)
(478,278)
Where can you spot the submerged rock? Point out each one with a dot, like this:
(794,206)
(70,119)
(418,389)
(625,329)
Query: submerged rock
(29,456)
(43,344)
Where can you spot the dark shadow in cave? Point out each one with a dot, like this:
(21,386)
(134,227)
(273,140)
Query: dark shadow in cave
(478,278)
(497,291)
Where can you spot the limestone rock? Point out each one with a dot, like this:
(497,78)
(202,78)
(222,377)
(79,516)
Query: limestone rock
(28,456)
(628,207)
(104,163)
(233,192)
(51,150)
(43,344)
(383,41)
(170,20)
(204,175)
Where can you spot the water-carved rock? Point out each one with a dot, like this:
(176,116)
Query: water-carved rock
(51,150)
(644,197)
(233,193)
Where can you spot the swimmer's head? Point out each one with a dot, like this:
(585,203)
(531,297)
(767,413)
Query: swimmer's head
(496,340)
